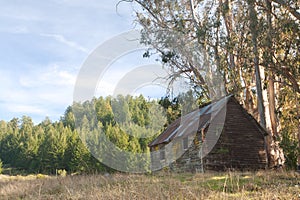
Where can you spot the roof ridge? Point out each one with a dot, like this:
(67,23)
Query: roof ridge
(205,111)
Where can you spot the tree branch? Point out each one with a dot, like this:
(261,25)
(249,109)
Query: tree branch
(292,10)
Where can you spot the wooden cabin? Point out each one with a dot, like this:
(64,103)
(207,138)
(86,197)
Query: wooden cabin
(219,136)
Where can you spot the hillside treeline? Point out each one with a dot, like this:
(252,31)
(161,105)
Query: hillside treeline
(67,144)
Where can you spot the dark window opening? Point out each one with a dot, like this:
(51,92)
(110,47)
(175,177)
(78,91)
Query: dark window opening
(162,154)
(185,143)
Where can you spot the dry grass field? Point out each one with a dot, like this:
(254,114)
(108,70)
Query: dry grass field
(230,185)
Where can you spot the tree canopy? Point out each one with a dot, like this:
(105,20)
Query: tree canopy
(250,48)
(75,142)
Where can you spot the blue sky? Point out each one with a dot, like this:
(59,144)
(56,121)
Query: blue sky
(42,47)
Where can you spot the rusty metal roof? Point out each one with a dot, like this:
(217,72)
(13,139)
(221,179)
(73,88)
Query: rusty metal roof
(191,122)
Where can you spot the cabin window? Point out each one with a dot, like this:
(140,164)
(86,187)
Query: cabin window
(162,154)
(219,130)
(185,143)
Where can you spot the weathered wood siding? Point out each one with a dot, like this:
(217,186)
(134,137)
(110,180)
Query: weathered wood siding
(240,145)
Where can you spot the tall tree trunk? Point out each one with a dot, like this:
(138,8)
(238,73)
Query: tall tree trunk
(277,156)
(270,63)
(265,102)
(249,99)
(272,105)
(253,30)
(260,99)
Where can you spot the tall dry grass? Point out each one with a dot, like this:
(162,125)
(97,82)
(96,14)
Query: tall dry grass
(230,185)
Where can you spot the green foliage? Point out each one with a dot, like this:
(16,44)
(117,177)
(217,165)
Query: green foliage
(73,143)
(290,147)
(62,172)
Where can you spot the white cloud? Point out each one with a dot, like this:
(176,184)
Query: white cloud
(40,92)
(105,88)
(53,75)
(16,108)
(58,77)
(62,39)
(21,29)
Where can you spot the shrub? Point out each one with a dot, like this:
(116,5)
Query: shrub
(41,176)
(62,172)
(290,149)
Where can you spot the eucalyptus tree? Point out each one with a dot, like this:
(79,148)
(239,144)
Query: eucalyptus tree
(254,44)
